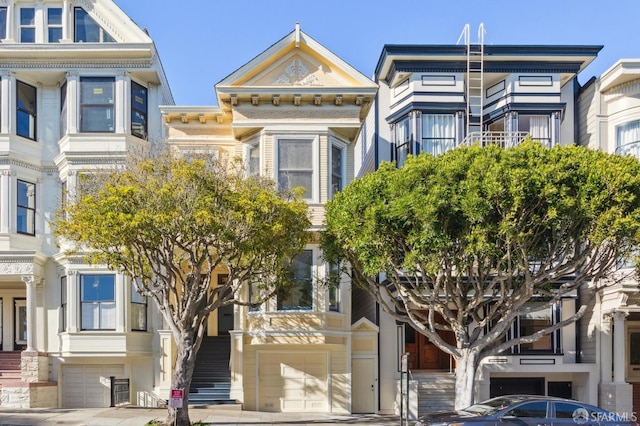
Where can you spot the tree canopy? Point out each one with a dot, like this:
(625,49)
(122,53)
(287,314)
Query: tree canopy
(170,221)
(464,241)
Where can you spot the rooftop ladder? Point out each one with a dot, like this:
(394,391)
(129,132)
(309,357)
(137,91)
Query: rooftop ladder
(474,83)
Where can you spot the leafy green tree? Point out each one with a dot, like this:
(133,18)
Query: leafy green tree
(168,222)
(475,235)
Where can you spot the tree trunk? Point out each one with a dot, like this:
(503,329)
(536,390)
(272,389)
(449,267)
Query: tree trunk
(181,379)
(466,367)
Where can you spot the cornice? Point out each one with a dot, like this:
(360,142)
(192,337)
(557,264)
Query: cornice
(624,89)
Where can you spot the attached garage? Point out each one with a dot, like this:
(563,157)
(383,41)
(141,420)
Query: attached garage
(293,382)
(88,386)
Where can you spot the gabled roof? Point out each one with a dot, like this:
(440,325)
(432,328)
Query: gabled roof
(296,64)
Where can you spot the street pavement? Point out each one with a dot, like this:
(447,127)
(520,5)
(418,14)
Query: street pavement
(214,415)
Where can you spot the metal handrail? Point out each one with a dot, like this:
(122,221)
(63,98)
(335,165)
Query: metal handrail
(632,148)
(502,139)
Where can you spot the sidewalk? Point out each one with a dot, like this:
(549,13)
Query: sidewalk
(215,415)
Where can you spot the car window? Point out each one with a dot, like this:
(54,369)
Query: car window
(530,409)
(566,410)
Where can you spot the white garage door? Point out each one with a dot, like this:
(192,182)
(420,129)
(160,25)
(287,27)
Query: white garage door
(292,382)
(88,386)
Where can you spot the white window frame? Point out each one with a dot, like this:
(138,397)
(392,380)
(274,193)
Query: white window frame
(48,26)
(34,26)
(248,147)
(315,143)
(335,142)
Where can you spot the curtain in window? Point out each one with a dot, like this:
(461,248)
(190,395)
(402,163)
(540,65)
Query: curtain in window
(628,139)
(438,133)
(539,128)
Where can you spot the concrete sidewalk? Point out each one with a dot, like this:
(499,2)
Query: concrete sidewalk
(215,415)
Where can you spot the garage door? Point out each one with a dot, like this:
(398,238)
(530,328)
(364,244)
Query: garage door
(88,386)
(290,382)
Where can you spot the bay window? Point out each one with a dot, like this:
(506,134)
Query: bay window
(138,110)
(97,104)
(298,295)
(295,165)
(438,133)
(26,110)
(534,321)
(26,208)
(628,139)
(97,301)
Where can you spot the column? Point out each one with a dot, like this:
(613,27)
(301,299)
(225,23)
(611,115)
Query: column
(605,349)
(73,88)
(66,29)
(30,281)
(10,23)
(121,103)
(619,346)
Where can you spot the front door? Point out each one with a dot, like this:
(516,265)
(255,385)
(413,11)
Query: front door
(20,324)
(225,313)
(363,389)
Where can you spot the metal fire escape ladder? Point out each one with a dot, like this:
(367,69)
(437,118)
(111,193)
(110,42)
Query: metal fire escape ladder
(474,84)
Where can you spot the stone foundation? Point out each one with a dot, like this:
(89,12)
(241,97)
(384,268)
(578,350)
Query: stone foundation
(18,394)
(34,366)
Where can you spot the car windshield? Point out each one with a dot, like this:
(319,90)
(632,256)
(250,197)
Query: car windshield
(490,406)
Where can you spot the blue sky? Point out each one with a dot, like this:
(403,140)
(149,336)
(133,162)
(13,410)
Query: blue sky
(202,41)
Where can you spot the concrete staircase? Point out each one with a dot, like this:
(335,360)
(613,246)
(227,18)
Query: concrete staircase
(211,382)
(436,391)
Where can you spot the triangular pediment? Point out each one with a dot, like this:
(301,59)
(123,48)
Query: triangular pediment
(363,325)
(296,61)
(113,21)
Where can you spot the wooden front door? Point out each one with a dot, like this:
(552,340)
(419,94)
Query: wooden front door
(424,354)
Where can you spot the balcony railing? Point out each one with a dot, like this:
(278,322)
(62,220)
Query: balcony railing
(502,139)
(631,148)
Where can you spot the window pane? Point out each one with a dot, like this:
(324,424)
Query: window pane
(438,133)
(531,409)
(87,30)
(26,204)
(334,288)
(108,315)
(54,35)
(295,159)
(3,23)
(532,323)
(27,16)
(27,35)
(537,126)
(98,288)
(97,119)
(54,16)
(336,170)
(97,90)
(254,160)
(299,294)
(565,410)
(26,110)
(628,139)
(139,317)
(138,110)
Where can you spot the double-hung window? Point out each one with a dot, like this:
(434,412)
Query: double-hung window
(63,304)
(26,208)
(403,139)
(138,310)
(295,165)
(96,104)
(27,25)
(87,30)
(337,168)
(3,23)
(253,159)
(26,110)
(334,288)
(628,139)
(138,110)
(538,127)
(438,133)
(98,305)
(298,294)
(54,24)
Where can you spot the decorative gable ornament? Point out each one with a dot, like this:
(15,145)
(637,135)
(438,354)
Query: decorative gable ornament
(297,74)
